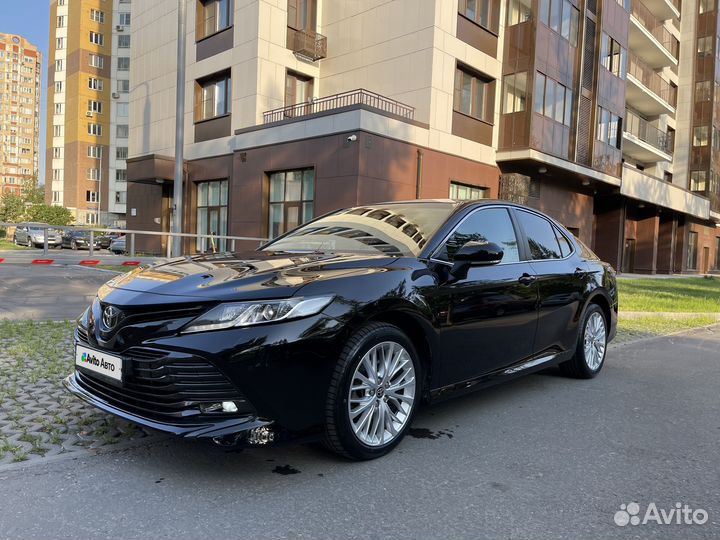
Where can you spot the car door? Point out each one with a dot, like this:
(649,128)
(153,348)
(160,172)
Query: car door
(491,318)
(562,279)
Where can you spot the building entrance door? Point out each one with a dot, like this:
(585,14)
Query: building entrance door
(628,262)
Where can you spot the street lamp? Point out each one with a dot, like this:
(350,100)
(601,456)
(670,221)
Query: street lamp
(176,226)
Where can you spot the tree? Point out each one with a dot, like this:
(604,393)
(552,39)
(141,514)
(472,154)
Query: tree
(52,215)
(12,208)
(32,192)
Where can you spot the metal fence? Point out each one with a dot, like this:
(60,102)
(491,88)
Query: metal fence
(130,236)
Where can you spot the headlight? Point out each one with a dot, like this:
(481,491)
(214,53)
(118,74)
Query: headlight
(251,313)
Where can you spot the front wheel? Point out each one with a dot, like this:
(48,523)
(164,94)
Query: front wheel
(374,393)
(591,347)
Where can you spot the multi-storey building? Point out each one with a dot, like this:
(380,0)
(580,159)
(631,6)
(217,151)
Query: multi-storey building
(88,96)
(595,111)
(20,97)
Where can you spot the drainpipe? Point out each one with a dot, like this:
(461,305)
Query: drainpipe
(177,213)
(418,178)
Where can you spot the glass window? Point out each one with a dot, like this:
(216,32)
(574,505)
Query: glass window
(565,246)
(212,215)
(717,253)
(476,10)
(539,93)
(461,192)
(291,200)
(542,240)
(519,11)
(213,97)
(700,136)
(214,16)
(515,92)
(698,181)
(298,88)
(485,225)
(559,102)
(705,6)
(692,250)
(549,97)
(555,14)
(544,12)
(470,93)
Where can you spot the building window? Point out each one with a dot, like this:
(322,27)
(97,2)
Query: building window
(95,84)
(717,253)
(477,11)
(95,106)
(121,152)
(95,129)
(121,175)
(706,6)
(123,86)
(97,39)
(302,14)
(93,174)
(705,46)
(96,61)
(704,91)
(59,65)
(58,108)
(124,41)
(60,43)
(613,57)
(61,21)
(97,16)
(553,99)
(701,136)
(91,196)
(213,96)
(464,192)
(471,94)
(121,197)
(57,196)
(213,16)
(291,200)
(298,88)
(123,109)
(59,87)
(698,181)
(58,152)
(123,63)
(95,152)
(519,11)
(609,128)
(123,131)
(212,208)
(561,17)
(124,19)
(57,130)
(692,250)
(514,92)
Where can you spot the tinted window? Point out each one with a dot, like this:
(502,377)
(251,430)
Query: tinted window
(540,235)
(489,225)
(565,247)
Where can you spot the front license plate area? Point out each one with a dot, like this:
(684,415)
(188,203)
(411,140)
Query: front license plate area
(99,363)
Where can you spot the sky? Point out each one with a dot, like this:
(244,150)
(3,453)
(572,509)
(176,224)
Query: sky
(30,19)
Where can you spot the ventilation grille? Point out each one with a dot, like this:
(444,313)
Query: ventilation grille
(588,73)
(584,131)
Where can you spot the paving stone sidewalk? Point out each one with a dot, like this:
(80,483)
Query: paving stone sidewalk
(38,417)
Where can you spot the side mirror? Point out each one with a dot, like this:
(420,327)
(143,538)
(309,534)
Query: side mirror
(475,254)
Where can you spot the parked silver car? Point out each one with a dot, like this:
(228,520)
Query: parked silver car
(32,234)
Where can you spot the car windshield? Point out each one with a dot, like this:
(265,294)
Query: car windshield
(398,229)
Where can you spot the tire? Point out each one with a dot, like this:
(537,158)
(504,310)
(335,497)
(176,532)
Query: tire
(29,242)
(591,349)
(73,245)
(393,402)
(15,240)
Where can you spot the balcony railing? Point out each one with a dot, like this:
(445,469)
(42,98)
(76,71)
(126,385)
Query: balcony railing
(641,128)
(308,44)
(656,27)
(339,101)
(651,80)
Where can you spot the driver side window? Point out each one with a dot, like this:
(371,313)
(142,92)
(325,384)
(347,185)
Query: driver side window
(484,225)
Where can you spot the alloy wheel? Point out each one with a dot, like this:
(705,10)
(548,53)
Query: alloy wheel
(595,341)
(382,394)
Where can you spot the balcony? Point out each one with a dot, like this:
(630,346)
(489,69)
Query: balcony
(664,9)
(337,102)
(307,44)
(647,92)
(644,142)
(649,38)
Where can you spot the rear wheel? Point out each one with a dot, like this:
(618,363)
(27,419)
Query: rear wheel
(73,245)
(591,348)
(373,394)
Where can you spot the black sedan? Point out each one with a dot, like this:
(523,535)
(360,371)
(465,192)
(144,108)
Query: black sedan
(77,239)
(340,328)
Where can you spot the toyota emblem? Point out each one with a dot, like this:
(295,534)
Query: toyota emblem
(110,317)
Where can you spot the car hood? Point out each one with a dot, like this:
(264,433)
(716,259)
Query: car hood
(255,275)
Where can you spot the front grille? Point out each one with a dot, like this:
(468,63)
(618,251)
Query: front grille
(157,386)
(134,316)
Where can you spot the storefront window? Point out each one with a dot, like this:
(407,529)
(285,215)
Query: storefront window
(291,200)
(212,206)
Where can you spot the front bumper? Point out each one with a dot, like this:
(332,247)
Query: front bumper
(231,427)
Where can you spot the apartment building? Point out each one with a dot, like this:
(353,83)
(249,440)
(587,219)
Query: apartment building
(597,112)
(20,98)
(88,109)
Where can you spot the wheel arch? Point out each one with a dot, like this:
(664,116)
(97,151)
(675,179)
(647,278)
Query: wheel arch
(600,299)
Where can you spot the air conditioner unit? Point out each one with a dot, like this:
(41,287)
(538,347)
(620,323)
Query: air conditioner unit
(115,95)
(89,114)
(120,28)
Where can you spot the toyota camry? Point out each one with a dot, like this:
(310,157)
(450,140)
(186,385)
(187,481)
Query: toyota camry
(339,329)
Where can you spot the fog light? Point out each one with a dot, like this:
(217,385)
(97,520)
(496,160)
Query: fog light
(229,406)
(211,407)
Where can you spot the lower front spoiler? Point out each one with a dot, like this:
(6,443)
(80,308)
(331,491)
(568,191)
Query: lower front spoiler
(227,432)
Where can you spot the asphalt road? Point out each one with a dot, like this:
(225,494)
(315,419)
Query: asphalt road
(47,292)
(541,457)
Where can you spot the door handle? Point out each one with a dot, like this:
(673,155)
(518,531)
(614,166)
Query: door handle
(527,279)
